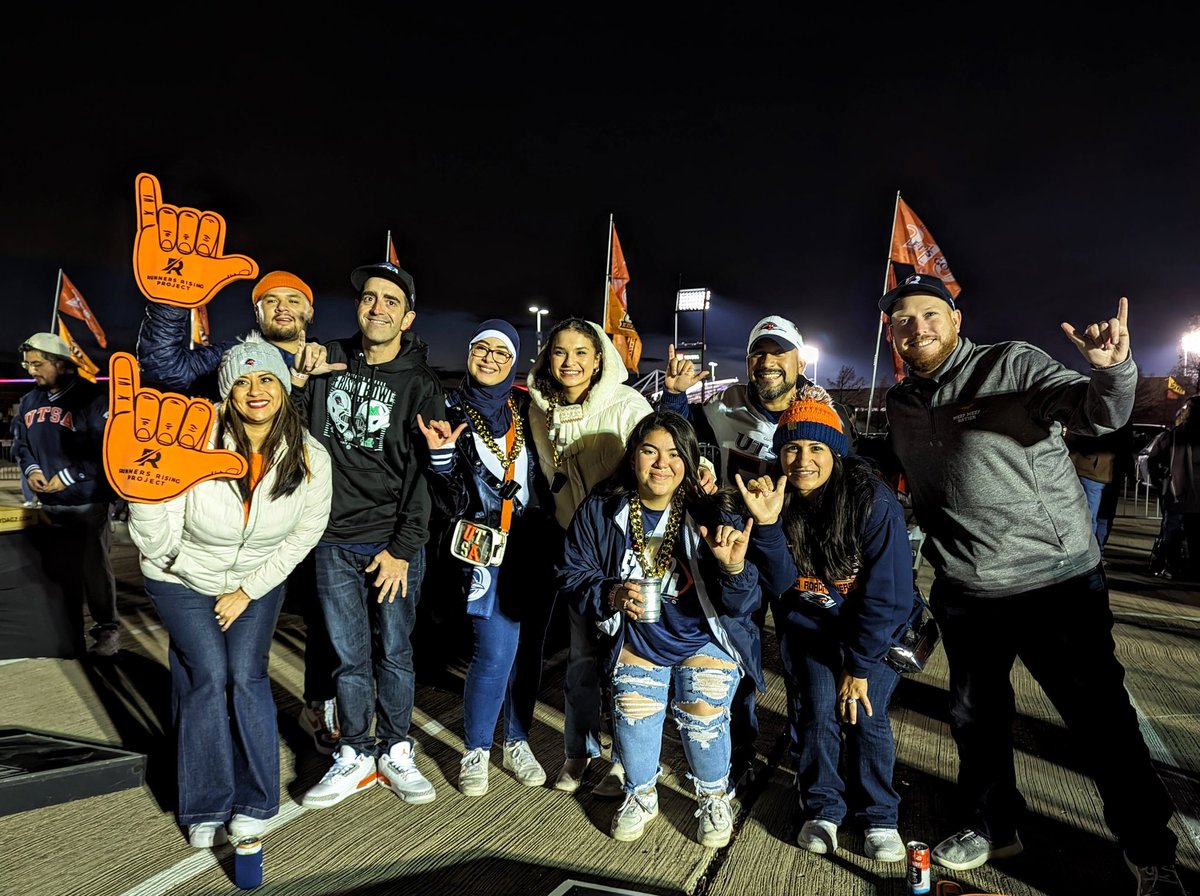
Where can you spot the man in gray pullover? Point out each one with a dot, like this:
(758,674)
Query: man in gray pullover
(1017,571)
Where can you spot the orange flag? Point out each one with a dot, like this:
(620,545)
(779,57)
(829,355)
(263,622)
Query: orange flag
(391,251)
(70,301)
(200,329)
(913,244)
(616,310)
(87,367)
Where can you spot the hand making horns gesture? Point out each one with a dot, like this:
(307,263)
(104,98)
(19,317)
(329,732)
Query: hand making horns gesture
(1105,343)
(155,443)
(177,252)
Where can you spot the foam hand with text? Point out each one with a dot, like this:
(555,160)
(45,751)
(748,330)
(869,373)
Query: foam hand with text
(155,443)
(177,252)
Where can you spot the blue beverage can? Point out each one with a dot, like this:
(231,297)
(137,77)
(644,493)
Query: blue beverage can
(248,863)
(918,867)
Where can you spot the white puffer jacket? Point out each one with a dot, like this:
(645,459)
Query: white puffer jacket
(589,449)
(203,540)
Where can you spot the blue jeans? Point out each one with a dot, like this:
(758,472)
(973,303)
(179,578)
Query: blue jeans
(1063,635)
(373,642)
(641,694)
(816,660)
(497,678)
(228,743)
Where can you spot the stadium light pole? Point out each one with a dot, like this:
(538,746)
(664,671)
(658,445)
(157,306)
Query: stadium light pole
(810,353)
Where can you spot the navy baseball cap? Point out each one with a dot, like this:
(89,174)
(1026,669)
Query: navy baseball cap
(923,284)
(387,271)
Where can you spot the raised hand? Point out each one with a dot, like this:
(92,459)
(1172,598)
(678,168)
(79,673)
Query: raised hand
(156,444)
(177,252)
(1105,343)
(438,433)
(310,359)
(681,373)
(729,544)
(763,497)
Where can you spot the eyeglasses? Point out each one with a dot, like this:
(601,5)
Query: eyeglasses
(35,365)
(481,352)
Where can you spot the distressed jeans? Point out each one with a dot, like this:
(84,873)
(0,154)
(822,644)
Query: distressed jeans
(641,695)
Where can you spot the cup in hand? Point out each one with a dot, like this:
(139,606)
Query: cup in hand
(651,588)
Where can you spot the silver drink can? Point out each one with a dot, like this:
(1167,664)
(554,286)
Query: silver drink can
(651,588)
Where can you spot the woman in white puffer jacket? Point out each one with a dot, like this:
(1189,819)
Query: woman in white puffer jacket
(215,561)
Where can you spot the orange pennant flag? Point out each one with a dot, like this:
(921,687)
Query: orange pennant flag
(87,367)
(913,244)
(616,312)
(200,329)
(70,301)
(391,251)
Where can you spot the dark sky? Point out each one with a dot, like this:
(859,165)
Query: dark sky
(758,156)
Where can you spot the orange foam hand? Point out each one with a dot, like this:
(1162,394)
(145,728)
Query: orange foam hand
(177,253)
(155,443)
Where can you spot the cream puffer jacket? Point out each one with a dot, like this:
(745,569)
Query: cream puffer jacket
(589,449)
(203,540)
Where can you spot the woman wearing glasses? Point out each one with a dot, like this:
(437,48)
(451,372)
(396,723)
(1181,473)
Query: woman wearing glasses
(487,484)
(582,416)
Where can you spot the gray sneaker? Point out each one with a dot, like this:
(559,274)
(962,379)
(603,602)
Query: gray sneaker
(716,819)
(572,774)
(884,845)
(1156,880)
(819,836)
(969,849)
(630,821)
(519,760)
(473,772)
(612,785)
(399,774)
(108,641)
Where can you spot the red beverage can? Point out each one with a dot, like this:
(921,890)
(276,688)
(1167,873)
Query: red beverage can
(918,867)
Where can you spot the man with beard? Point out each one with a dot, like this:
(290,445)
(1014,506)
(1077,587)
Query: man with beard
(739,424)
(1017,570)
(283,309)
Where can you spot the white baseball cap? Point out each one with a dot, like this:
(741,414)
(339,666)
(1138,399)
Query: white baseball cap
(49,344)
(778,328)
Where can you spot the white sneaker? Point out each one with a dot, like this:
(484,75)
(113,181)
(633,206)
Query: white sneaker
(473,772)
(351,772)
(716,819)
(242,826)
(819,836)
(612,785)
(519,760)
(206,834)
(572,774)
(399,774)
(885,845)
(630,821)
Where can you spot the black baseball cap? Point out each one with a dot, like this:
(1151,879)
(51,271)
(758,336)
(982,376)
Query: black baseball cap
(387,271)
(923,284)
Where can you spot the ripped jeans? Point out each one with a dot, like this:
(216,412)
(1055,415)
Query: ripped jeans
(703,688)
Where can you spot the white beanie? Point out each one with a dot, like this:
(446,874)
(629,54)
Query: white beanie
(254,353)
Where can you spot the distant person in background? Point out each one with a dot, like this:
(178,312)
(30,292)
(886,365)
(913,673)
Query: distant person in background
(1102,463)
(283,312)
(582,414)
(1176,553)
(485,472)
(214,561)
(1017,571)
(58,445)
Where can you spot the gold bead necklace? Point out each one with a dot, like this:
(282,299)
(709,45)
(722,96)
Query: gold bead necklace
(662,557)
(480,427)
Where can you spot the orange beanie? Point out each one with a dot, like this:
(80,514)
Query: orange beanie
(812,416)
(280,280)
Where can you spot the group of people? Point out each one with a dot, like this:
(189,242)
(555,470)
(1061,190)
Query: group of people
(577,491)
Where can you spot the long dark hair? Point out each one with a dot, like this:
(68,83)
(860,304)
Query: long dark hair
(543,379)
(287,428)
(823,535)
(624,482)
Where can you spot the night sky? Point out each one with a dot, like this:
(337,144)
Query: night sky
(757,156)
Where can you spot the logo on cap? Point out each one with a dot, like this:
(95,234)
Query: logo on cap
(769,325)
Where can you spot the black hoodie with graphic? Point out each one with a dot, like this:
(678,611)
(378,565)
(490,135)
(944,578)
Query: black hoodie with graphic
(366,417)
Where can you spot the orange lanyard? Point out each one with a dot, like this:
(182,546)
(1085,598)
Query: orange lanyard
(507,507)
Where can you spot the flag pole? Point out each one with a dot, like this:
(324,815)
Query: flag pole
(387,249)
(607,276)
(57,295)
(879,333)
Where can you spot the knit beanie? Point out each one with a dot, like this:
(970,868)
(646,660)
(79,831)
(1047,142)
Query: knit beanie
(280,280)
(812,416)
(253,354)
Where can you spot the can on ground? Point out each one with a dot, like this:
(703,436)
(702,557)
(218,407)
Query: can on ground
(248,863)
(918,867)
